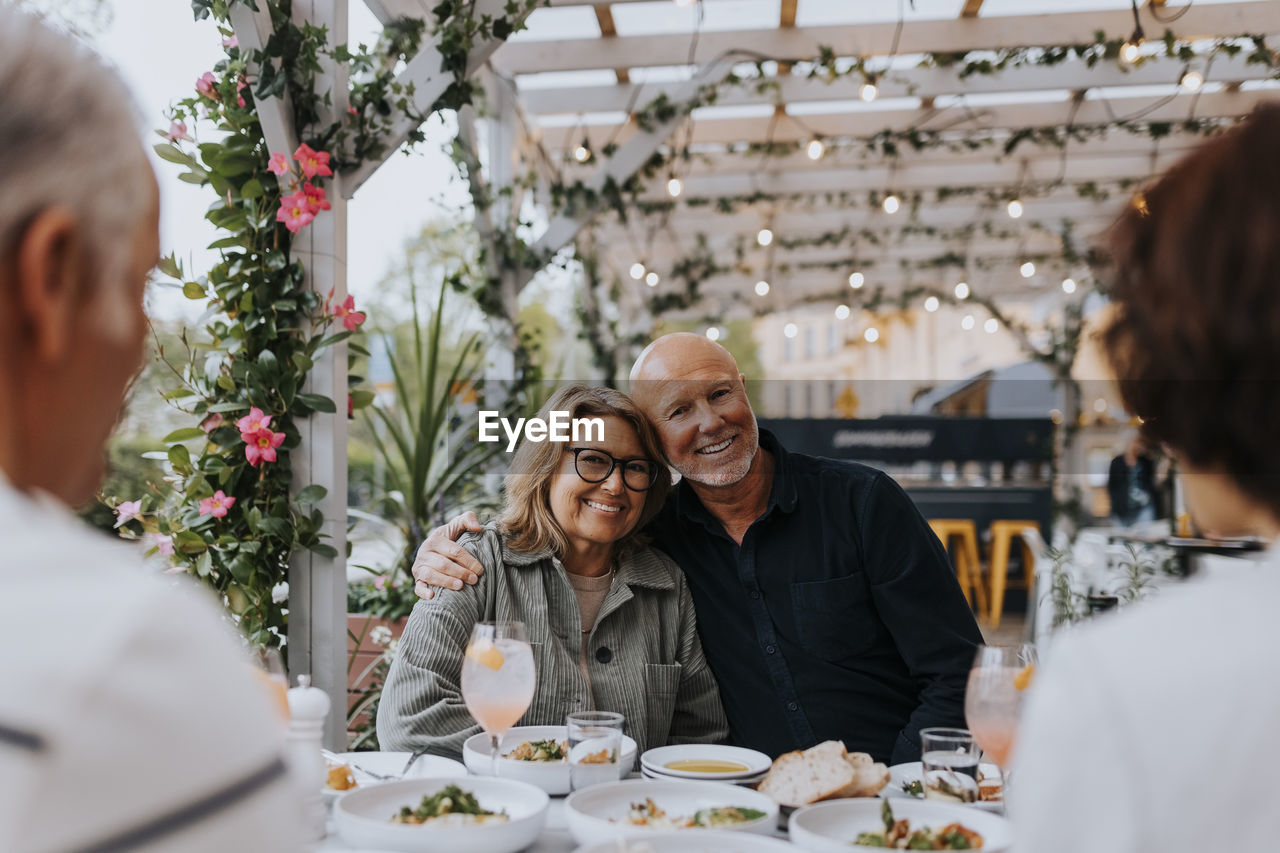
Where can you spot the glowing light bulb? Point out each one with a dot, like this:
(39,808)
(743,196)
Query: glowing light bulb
(1100,405)
(962,290)
(582,153)
(816,149)
(713,334)
(1015,209)
(1027,270)
(675,187)
(652,279)
(1191,80)
(990,326)
(868,91)
(637,271)
(842,312)
(891,203)
(790,330)
(762,287)
(1129,52)
(1068,285)
(966,322)
(856,280)
(931,304)
(871,335)
(765,237)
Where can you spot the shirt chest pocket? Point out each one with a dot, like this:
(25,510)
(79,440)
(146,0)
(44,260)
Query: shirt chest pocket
(661,684)
(834,618)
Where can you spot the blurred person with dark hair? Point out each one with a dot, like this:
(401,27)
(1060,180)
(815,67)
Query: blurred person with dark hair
(1131,485)
(1159,729)
(128,720)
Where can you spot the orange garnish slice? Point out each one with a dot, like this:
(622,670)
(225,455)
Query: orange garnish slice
(1023,679)
(486,654)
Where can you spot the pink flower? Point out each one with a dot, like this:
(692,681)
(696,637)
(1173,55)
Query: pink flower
(380,582)
(212,422)
(295,212)
(278,164)
(207,86)
(261,446)
(217,505)
(316,198)
(312,162)
(230,42)
(253,422)
(127,511)
(178,130)
(239,88)
(163,544)
(351,406)
(353,111)
(347,313)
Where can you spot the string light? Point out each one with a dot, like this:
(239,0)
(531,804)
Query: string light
(713,334)
(637,271)
(816,149)
(871,335)
(1191,80)
(868,90)
(762,288)
(1027,270)
(891,203)
(990,326)
(967,322)
(931,304)
(790,330)
(962,290)
(583,152)
(652,279)
(1068,285)
(684,3)
(765,237)
(856,280)
(1100,405)
(842,312)
(1130,51)
(674,187)
(1015,209)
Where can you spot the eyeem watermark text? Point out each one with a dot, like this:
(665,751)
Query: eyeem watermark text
(559,427)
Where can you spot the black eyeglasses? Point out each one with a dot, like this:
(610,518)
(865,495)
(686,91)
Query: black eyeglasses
(596,466)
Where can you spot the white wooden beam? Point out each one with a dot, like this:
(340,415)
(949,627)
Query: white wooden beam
(429,81)
(275,115)
(949,35)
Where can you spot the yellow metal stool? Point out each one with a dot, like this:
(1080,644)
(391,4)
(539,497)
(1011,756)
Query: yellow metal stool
(968,569)
(1003,535)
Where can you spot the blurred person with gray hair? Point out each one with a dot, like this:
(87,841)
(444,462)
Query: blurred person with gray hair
(128,720)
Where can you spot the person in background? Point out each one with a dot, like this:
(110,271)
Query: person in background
(611,617)
(128,718)
(1131,485)
(827,607)
(1159,728)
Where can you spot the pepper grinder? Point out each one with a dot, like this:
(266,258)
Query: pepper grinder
(308,708)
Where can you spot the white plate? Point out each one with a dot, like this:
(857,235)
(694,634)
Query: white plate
(693,841)
(749,781)
(912,771)
(391,763)
(550,776)
(831,827)
(363,816)
(596,814)
(657,760)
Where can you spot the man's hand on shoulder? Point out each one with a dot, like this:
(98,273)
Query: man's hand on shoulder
(442,562)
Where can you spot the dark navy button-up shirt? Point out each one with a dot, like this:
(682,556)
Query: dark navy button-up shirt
(838,617)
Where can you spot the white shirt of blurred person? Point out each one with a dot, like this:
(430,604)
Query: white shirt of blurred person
(128,720)
(1158,728)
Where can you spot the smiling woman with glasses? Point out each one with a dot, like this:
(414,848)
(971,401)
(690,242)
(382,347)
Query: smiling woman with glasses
(610,618)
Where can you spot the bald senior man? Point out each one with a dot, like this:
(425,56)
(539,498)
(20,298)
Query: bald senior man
(826,605)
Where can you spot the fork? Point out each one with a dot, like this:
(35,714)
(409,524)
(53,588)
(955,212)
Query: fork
(412,758)
(380,777)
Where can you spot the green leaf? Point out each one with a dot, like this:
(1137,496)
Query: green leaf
(169,266)
(318,402)
(190,542)
(193,290)
(178,393)
(311,495)
(228,407)
(180,458)
(252,189)
(277,527)
(302,362)
(325,550)
(226,243)
(174,154)
(185,434)
(226,383)
(198,177)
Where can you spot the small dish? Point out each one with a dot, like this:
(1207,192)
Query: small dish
(912,771)
(600,813)
(550,776)
(831,827)
(697,760)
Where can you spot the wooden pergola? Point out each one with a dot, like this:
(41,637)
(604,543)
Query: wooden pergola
(579,75)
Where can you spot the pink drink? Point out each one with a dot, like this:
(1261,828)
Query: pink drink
(498,681)
(992,706)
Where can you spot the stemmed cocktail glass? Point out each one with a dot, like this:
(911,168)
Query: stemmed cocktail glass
(498,679)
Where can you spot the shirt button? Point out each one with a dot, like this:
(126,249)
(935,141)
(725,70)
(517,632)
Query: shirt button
(755,593)
(603,654)
(792,706)
(770,649)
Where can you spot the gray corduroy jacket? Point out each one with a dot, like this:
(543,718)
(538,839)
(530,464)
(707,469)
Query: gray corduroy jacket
(644,656)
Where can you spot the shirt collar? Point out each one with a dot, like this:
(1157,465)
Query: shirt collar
(637,565)
(782,493)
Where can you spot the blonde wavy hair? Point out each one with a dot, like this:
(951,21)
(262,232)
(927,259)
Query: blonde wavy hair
(526,520)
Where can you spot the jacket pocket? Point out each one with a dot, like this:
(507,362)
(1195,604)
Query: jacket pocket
(661,684)
(834,618)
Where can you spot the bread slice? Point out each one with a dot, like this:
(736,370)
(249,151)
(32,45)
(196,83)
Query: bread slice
(822,772)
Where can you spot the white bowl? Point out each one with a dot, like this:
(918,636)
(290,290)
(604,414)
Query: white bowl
(831,827)
(693,841)
(746,781)
(657,761)
(598,813)
(363,816)
(550,776)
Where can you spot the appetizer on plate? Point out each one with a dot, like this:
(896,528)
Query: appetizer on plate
(899,835)
(823,772)
(340,778)
(649,814)
(450,804)
(540,750)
